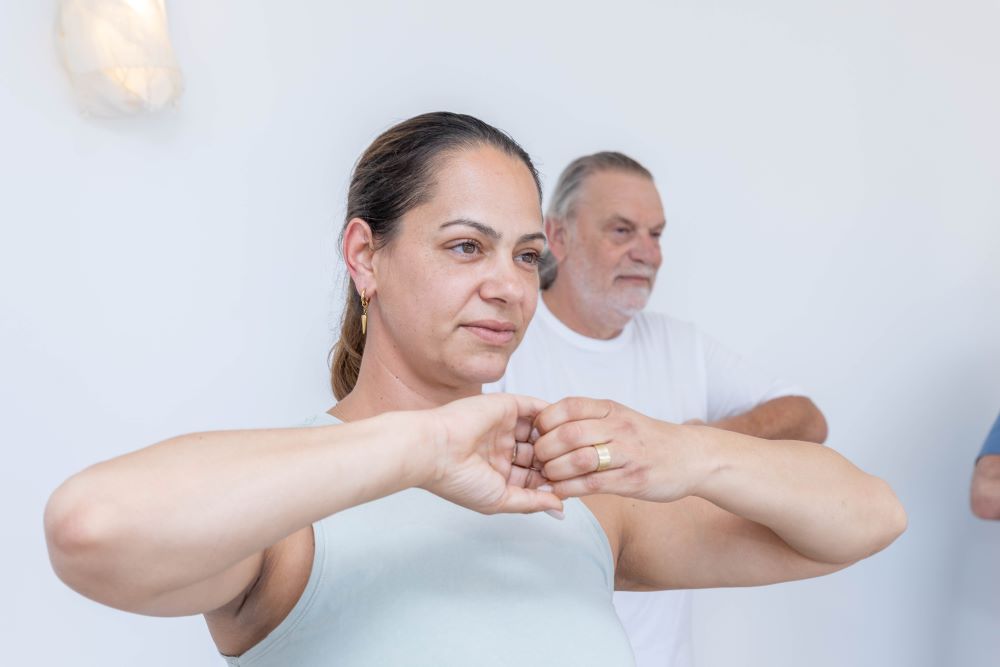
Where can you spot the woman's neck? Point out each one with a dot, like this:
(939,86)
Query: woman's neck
(385,384)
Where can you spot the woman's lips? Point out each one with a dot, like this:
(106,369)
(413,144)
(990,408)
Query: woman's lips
(497,333)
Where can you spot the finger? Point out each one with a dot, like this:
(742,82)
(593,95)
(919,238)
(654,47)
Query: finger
(522,431)
(518,476)
(525,454)
(572,409)
(526,501)
(527,478)
(582,461)
(535,479)
(555,514)
(528,407)
(607,481)
(572,435)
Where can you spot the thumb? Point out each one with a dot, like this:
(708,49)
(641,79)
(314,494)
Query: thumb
(527,501)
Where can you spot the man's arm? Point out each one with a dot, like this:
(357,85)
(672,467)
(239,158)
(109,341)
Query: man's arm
(784,418)
(744,398)
(985,492)
(986,487)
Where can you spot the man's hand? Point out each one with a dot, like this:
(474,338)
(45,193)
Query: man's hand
(985,496)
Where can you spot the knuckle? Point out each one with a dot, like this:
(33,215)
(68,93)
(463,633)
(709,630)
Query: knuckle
(582,458)
(571,433)
(593,483)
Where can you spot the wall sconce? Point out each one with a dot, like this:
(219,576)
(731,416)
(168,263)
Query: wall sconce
(118,55)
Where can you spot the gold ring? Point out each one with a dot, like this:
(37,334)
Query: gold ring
(603,456)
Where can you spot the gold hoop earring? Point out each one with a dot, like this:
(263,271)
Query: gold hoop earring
(364,312)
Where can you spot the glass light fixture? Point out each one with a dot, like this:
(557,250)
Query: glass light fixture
(118,55)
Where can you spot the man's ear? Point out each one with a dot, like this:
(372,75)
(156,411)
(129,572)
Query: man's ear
(359,253)
(555,233)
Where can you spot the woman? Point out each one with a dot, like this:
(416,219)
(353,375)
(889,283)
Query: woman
(320,545)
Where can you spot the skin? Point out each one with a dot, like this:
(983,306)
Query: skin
(150,531)
(985,493)
(608,251)
(447,269)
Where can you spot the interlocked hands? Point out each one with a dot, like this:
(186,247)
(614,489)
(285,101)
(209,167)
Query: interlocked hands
(508,453)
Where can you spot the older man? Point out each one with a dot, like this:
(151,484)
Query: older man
(590,337)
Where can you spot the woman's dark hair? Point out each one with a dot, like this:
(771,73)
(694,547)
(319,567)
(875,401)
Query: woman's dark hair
(394,175)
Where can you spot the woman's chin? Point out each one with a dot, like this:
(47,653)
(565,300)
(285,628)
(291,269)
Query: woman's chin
(485,369)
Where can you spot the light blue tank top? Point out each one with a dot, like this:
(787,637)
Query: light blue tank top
(411,579)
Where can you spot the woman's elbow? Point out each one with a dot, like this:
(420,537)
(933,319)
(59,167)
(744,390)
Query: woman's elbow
(892,519)
(77,532)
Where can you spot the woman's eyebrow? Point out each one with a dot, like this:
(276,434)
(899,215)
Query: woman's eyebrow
(486,230)
(483,229)
(537,236)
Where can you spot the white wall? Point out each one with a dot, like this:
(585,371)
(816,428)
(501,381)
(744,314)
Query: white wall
(830,177)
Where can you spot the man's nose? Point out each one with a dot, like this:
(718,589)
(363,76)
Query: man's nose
(646,249)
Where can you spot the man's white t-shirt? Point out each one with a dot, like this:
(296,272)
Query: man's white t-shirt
(663,368)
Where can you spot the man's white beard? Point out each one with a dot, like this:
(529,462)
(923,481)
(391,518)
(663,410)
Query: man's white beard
(633,299)
(610,304)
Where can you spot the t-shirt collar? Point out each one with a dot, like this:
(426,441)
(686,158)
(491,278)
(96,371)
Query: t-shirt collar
(545,316)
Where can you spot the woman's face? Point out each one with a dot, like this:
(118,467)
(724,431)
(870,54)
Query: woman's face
(458,284)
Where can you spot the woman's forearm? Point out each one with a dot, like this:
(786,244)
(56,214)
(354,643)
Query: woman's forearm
(181,511)
(814,499)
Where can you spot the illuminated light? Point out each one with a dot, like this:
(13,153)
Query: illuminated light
(118,55)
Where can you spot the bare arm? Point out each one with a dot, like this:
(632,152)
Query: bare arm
(754,511)
(985,495)
(764,512)
(180,527)
(784,418)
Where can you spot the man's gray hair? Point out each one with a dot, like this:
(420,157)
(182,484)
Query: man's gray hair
(568,188)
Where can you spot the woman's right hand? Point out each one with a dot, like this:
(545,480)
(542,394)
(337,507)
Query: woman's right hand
(474,448)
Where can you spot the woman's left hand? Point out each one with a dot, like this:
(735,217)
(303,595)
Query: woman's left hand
(649,459)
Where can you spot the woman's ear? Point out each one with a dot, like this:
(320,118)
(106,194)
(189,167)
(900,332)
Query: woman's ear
(359,251)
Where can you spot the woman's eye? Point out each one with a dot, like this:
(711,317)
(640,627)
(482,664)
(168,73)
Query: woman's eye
(530,257)
(466,248)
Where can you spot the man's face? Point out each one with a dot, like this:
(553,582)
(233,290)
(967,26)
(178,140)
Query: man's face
(611,248)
